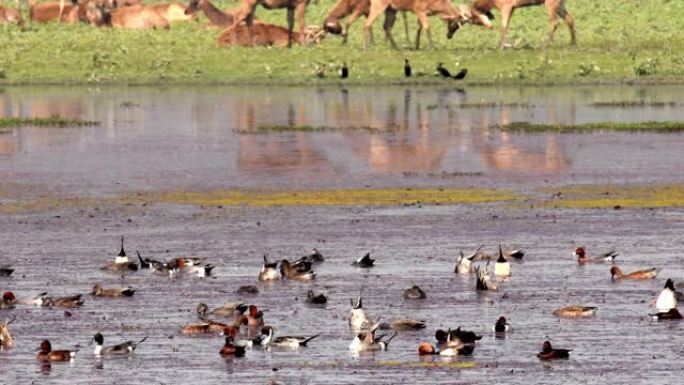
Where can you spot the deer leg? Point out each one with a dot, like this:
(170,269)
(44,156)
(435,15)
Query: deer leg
(61,10)
(290,26)
(506,14)
(390,17)
(352,18)
(406,29)
(420,29)
(423,24)
(570,21)
(374,13)
(300,16)
(249,20)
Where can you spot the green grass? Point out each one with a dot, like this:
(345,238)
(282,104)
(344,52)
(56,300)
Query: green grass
(661,127)
(53,121)
(625,41)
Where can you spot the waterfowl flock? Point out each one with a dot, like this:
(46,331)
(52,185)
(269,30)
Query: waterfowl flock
(246,330)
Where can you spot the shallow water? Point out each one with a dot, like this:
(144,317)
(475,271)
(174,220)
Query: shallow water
(186,139)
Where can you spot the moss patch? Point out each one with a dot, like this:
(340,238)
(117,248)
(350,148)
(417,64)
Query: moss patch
(650,126)
(618,197)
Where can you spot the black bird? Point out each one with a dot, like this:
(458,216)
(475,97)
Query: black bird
(466,337)
(461,74)
(365,261)
(6,271)
(345,71)
(414,292)
(318,299)
(443,72)
(549,353)
(144,263)
(502,325)
(407,68)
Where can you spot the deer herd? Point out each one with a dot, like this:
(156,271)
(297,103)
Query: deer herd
(241,27)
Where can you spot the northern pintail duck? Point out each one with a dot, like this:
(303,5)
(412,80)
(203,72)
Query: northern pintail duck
(502,325)
(269,270)
(9,300)
(484,282)
(99,291)
(357,317)
(289,342)
(446,339)
(124,348)
(508,254)
(316,299)
(121,262)
(616,273)
(233,309)
(403,325)
(365,261)
(6,271)
(302,273)
(672,314)
(575,311)
(314,257)
(549,353)
(667,299)
(582,256)
(502,268)
(414,292)
(46,354)
(464,265)
(367,341)
(230,349)
(425,349)
(6,340)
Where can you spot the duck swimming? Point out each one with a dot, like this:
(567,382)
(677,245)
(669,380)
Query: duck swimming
(575,311)
(6,340)
(502,268)
(99,291)
(403,325)
(464,265)
(8,300)
(6,271)
(124,348)
(672,314)
(316,299)
(616,273)
(68,302)
(255,317)
(414,292)
(582,257)
(501,325)
(46,354)
(314,257)
(484,282)
(229,348)
(367,341)
(289,271)
(357,317)
(121,262)
(366,261)
(290,342)
(666,299)
(233,309)
(549,353)
(425,349)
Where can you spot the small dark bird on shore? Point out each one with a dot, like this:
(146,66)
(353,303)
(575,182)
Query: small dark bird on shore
(345,71)
(461,74)
(407,68)
(443,72)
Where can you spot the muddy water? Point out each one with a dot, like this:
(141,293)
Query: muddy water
(187,139)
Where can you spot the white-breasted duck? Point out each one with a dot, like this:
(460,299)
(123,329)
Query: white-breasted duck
(46,354)
(666,299)
(464,265)
(447,340)
(582,257)
(672,314)
(366,261)
(502,268)
(367,341)
(549,353)
(124,348)
(616,273)
(114,292)
(288,342)
(269,270)
(575,311)
(484,282)
(121,261)
(301,272)
(502,325)
(414,292)
(357,317)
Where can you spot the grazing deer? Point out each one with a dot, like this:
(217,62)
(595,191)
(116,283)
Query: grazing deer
(354,9)
(6,340)
(267,35)
(421,8)
(217,18)
(296,9)
(12,15)
(555,9)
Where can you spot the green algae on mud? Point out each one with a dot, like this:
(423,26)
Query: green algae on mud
(616,197)
(53,121)
(350,197)
(280,128)
(650,126)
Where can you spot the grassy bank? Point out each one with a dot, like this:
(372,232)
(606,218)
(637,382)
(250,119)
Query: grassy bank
(53,121)
(660,127)
(623,41)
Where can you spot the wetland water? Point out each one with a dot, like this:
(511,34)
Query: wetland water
(204,138)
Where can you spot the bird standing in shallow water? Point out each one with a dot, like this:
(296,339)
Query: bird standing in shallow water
(407,68)
(344,71)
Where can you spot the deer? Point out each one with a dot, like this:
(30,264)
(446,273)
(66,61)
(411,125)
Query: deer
(136,17)
(172,12)
(217,18)
(296,9)
(554,8)
(6,340)
(421,8)
(12,15)
(354,9)
(53,10)
(267,35)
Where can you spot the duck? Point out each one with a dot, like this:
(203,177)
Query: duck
(68,302)
(367,341)
(314,257)
(124,348)
(9,300)
(290,342)
(144,263)
(230,349)
(357,317)
(616,273)
(289,271)
(344,71)
(366,261)
(425,349)
(317,299)
(467,337)
(407,68)
(582,256)
(247,289)
(121,262)
(484,282)
(6,271)
(99,291)
(502,268)
(205,327)
(255,317)
(6,340)
(447,339)
(403,325)
(672,314)
(46,354)
(464,265)
(414,292)
(501,325)
(666,299)
(189,265)
(575,311)
(508,254)
(549,353)
(233,309)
